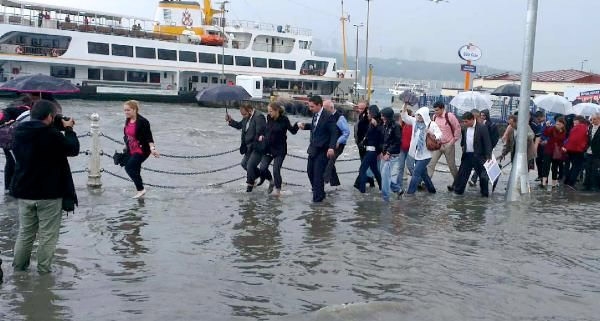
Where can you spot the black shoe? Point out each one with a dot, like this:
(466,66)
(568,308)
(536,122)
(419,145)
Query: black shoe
(261,181)
(249,188)
(421,187)
(271,186)
(371,182)
(450,188)
(472,183)
(400,193)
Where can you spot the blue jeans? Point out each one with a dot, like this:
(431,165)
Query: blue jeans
(368,162)
(389,176)
(404,160)
(420,173)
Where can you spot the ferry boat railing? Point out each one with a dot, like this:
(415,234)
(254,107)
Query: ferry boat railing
(247,24)
(32,50)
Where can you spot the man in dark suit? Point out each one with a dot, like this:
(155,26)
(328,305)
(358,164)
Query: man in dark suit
(252,125)
(323,138)
(477,149)
(592,156)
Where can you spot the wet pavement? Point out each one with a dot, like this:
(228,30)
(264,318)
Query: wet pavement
(200,252)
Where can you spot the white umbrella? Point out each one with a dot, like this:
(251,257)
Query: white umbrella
(554,104)
(469,100)
(586,109)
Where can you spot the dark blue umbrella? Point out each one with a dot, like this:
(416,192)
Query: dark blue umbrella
(508,90)
(223,93)
(40,84)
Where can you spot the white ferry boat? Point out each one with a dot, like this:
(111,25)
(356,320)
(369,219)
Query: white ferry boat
(186,48)
(400,86)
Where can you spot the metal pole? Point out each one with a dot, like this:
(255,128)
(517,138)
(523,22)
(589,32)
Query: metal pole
(367,41)
(356,93)
(518,183)
(94,175)
(223,46)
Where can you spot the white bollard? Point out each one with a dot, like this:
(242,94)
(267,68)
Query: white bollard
(94,176)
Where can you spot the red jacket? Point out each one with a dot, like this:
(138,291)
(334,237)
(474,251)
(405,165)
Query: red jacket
(555,138)
(578,139)
(406,137)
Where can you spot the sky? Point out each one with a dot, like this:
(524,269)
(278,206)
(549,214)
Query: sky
(422,30)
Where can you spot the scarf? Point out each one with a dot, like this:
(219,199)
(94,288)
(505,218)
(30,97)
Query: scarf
(420,128)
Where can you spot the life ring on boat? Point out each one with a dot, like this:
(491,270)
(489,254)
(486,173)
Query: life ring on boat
(169,87)
(54,52)
(19,50)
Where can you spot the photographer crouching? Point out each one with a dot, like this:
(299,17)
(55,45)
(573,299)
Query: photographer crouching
(42,182)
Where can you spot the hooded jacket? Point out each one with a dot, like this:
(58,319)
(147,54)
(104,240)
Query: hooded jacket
(430,126)
(392,134)
(42,170)
(492,128)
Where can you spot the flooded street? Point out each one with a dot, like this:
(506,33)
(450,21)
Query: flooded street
(200,252)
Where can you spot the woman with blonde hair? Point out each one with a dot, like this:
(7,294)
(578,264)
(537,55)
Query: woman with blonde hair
(139,143)
(275,142)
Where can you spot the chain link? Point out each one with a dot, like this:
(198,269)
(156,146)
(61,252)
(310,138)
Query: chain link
(80,171)
(111,139)
(168,186)
(84,135)
(337,160)
(199,156)
(191,173)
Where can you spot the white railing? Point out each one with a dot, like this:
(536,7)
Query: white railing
(268,27)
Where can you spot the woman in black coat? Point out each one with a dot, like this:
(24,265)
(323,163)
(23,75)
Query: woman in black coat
(139,144)
(274,141)
(7,116)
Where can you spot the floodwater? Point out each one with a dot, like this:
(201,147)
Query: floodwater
(202,252)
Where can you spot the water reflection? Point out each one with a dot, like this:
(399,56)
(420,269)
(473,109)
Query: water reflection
(257,235)
(37,298)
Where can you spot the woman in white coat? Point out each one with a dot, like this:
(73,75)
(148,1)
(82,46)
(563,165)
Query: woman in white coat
(421,124)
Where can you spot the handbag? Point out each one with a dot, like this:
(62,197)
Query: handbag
(431,142)
(7,135)
(120,158)
(558,154)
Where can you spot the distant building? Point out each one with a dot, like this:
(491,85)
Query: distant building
(568,82)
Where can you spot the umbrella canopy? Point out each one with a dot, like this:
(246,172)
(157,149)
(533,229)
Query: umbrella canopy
(409,97)
(586,109)
(40,84)
(469,100)
(223,93)
(554,104)
(509,90)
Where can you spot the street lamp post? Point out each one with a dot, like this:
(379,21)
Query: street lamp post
(518,183)
(582,62)
(356,71)
(367,42)
(223,45)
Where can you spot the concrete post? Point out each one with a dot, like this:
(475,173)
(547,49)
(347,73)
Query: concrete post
(94,176)
(518,183)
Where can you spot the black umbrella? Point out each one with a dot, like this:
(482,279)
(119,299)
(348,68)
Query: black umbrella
(508,90)
(409,97)
(40,84)
(223,93)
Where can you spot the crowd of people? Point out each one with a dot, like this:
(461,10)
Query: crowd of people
(388,146)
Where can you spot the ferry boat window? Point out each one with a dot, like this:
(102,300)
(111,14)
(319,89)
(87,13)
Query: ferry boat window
(289,64)
(207,58)
(228,60)
(145,52)
(99,48)
(122,50)
(303,44)
(314,67)
(62,72)
(93,74)
(113,75)
(165,54)
(137,76)
(155,77)
(204,79)
(259,62)
(189,56)
(275,63)
(242,61)
(283,84)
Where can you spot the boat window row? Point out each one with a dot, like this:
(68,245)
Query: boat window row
(188,56)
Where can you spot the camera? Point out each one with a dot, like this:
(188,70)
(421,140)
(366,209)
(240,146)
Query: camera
(58,118)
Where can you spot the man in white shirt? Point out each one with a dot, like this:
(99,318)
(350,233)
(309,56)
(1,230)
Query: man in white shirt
(477,149)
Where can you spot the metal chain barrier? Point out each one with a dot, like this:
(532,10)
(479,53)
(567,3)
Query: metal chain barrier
(112,139)
(337,160)
(169,186)
(84,135)
(191,173)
